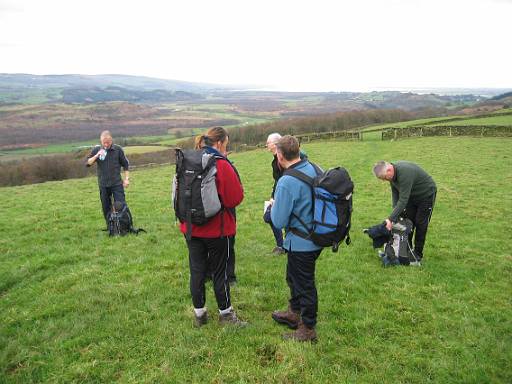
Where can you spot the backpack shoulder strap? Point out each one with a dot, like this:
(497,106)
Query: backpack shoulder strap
(299,175)
(309,181)
(217,157)
(318,170)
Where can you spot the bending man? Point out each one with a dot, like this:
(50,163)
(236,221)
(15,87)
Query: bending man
(414,191)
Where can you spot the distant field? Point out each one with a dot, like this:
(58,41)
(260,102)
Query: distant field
(51,149)
(502,117)
(409,123)
(79,307)
(76,146)
(143,149)
(497,120)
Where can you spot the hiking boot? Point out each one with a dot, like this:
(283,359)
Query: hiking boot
(303,333)
(278,251)
(199,321)
(232,319)
(288,317)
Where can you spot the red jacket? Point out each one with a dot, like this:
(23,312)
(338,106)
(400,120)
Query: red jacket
(231,194)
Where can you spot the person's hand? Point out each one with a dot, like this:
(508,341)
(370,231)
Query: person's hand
(126,183)
(101,152)
(389,224)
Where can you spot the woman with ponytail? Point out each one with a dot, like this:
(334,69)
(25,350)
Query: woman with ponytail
(209,247)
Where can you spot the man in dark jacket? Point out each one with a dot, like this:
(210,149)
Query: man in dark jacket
(277,172)
(109,159)
(414,191)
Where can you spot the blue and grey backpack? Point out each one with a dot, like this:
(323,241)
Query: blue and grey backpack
(332,206)
(194,191)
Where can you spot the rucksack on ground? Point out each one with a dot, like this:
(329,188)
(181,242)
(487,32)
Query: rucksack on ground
(194,192)
(332,206)
(398,249)
(120,221)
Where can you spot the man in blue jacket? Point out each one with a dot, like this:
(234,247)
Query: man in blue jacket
(294,204)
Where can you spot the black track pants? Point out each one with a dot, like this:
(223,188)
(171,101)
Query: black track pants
(209,254)
(231,260)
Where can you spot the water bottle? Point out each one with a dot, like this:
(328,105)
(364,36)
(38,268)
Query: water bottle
(103,154)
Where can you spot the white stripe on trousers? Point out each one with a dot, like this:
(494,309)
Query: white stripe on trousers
(226,272)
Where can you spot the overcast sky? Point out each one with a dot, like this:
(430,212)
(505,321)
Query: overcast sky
(310,45)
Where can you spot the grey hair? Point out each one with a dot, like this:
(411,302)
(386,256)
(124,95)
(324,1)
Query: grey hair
(273,138)
(105,134)
(380,168)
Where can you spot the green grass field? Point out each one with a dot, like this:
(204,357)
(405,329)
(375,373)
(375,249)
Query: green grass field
(78,306)
(502,117)
(494,120)
(143,149)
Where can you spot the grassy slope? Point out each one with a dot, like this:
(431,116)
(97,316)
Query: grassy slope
(80,307)
(143,149)
(501,117)
(495,120)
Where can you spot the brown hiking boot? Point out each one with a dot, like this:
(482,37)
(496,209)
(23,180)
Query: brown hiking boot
(288,317)
(302,333)
(231,318)
(199,321)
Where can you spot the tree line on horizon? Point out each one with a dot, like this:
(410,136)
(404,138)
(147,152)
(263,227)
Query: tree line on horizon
(72,165)
(341,121)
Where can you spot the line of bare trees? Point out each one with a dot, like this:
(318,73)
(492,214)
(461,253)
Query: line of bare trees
(341,121)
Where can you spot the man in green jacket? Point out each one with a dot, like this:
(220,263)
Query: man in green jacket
(414,191)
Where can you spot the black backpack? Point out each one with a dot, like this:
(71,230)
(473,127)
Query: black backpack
(332,206)
(398,249)
(194,192)
(120,223)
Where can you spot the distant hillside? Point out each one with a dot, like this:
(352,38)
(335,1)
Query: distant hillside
(503,96)
(34,89)
(502,101)
(98,95)
(126,81)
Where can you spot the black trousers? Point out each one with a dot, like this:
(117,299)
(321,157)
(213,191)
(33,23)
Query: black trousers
(204,255)
(300,276)
(420,214)
(106,194)
(231,260)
